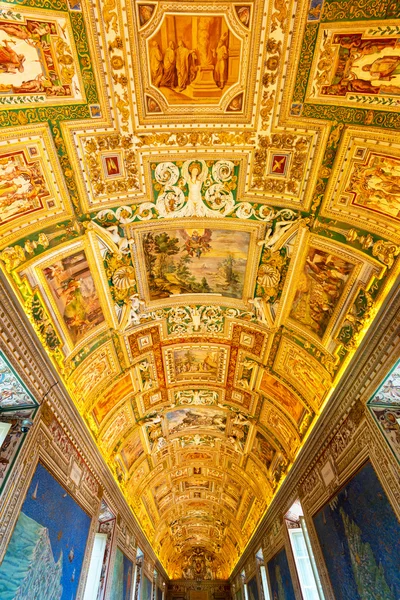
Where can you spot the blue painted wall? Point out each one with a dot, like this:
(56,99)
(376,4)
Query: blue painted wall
(360,540)
(47,548)
(279,577)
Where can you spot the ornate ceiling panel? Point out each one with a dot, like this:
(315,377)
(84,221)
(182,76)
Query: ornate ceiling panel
(199,216)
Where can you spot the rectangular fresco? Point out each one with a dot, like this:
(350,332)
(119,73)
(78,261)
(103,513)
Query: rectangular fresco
(188,419)
(196,364)
(279,577)
(252,589)
(122,579)
(283,396)
(360,563)
(37,61)
(385,408)
(72,287)
(263,450)
(13,393)
(182,47)
(132,450)
(111,398)
(374,185)
(356,67)
(23,187)
(47,547)
(146,588)
(198,261)
(319,288)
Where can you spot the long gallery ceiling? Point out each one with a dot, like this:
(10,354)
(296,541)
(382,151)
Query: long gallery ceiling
(199,215)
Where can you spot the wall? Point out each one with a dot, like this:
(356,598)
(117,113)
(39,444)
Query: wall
(346,438)
(181,589)
(63,447)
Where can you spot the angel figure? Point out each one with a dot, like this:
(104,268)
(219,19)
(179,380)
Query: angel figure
(194,174)
(197,243)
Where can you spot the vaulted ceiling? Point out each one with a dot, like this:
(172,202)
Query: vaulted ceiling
(199,215)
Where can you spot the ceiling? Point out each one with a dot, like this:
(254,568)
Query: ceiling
(199,216)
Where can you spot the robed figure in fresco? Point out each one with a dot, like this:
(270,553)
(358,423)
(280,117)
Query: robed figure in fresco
(182,65)
(221,65)
(156,63)
(169,79)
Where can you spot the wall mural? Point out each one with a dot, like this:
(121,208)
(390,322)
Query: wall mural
(199,218)
(385,408)
(122,578)
(358,561)
(13,393)
(279,577)
(45,553)
(252,588)
(147,587)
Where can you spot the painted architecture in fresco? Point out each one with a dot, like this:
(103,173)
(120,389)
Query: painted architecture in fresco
(360,563)
(192,58)
(48,544)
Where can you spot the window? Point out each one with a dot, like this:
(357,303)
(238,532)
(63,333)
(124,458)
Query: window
(310,583)
(265,583)
(95,566)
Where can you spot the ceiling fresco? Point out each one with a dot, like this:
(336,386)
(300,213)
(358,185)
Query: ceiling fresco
(200,212)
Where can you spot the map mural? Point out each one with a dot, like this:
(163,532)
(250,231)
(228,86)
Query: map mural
(45,552)
(346,529)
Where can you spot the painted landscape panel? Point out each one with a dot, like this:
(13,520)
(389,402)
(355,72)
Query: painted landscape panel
(13,394)
(47,547)
(195,418)
(72,286)
(279,577)
(190,362)
(360,563)
(122,577)
(201,261)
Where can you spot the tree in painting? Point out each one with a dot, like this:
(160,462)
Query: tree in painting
(196,262)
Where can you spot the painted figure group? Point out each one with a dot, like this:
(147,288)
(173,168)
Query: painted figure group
(177,68)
